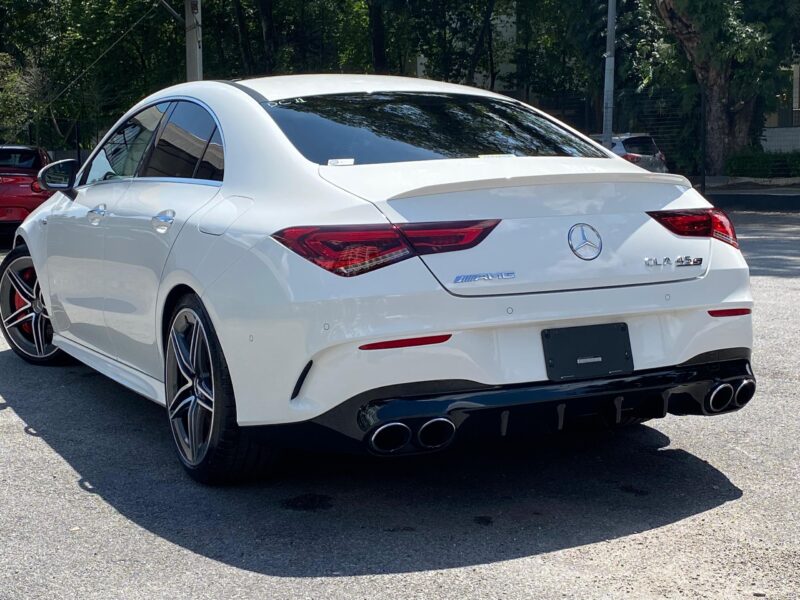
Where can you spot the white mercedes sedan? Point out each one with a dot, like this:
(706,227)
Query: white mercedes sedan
(376,264)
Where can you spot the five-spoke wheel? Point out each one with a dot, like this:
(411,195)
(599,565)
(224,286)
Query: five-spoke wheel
(190,385)
(25,319)
(201,407)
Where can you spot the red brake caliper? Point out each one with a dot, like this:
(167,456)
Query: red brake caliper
(29,277)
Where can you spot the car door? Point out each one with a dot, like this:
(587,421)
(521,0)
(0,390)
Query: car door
(76,229)
(182,173)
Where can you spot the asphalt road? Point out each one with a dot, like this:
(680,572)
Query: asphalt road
(93,503)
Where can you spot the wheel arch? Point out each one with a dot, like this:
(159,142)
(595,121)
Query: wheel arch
(18,241)
(170,302)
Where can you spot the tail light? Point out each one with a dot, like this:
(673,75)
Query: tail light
(701,222)
(349,250)
(630,157)
(35,187)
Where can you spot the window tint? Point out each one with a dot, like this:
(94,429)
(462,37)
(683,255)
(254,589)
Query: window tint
(120,155)
(19,158)
(392,127)
(641,145)
(212,166)
(182,142)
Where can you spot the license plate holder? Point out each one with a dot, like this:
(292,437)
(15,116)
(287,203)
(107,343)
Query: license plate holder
(587,352)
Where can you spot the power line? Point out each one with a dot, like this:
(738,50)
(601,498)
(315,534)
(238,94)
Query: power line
(87,69)
(102,54)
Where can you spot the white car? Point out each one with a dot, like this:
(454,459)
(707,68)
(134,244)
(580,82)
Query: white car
(638,148)
(376,263)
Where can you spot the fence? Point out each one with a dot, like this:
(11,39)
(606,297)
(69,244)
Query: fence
(673,119)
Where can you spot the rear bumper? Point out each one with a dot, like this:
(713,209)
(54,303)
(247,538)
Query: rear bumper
(481,412)
(13,214)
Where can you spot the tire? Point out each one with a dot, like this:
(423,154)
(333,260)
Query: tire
(201,407)
(24,318)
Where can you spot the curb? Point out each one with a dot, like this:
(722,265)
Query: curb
(755,201)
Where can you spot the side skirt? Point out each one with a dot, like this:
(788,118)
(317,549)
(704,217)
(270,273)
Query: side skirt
(134,380)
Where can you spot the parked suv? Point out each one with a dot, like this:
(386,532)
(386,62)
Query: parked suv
(638,148)
(20,192)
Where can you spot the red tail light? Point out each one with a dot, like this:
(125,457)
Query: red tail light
(630,157)
(35,187)
(349,250)
(701,222)
(432,238)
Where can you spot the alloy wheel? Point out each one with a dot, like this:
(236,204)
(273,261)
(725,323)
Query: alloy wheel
(23,310)
(190,386)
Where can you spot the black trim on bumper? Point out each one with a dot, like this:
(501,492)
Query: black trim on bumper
(479,411)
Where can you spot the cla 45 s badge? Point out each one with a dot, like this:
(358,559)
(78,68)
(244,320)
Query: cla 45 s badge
(680,261)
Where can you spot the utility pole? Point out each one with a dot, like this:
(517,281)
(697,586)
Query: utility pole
(608,93)
(194,40)
(193,25)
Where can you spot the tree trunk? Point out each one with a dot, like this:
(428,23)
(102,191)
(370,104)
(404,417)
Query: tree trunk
(244,40)
(377,36)
(718,133)
(268,35)
(727,122)
(479,45)
(493,71)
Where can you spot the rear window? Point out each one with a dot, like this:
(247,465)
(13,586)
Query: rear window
(641,145)
(17,158)
(400,126)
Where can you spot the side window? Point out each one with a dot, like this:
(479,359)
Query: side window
(182,143)
(212,166)
(120,155)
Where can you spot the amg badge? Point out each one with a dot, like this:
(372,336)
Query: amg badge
(484,277)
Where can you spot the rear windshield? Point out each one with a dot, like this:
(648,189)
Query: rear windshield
(641,145)
(19,158)
(396,127)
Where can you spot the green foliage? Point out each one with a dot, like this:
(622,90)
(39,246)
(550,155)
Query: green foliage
(754,162)
(13,96)
(556,49)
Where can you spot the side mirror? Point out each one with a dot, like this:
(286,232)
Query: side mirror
(59,176)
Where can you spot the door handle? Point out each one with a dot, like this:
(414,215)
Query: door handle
(96,214)
(163,221)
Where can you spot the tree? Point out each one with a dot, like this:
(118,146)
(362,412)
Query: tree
(735,57)
(244,38)
(377,34)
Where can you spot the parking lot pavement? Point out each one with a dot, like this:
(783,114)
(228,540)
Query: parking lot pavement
(93,503)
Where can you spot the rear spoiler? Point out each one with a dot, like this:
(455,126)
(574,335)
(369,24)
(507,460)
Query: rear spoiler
(529,180)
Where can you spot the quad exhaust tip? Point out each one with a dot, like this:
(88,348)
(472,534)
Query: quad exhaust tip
(720,398)
(390,438)
(745,392)
(436,433)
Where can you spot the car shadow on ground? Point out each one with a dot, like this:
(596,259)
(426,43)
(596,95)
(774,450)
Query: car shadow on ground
(330,516)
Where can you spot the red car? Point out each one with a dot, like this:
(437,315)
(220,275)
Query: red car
(19,190)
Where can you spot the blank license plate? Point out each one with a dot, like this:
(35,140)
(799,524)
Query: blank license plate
(587,352)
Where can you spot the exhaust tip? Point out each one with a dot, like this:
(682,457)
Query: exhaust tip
(436,433)
(745,392)
(390,437)
(720,398)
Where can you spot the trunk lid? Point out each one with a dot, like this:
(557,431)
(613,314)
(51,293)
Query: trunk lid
(556,215)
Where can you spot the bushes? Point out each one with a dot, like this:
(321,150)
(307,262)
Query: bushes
(754,162)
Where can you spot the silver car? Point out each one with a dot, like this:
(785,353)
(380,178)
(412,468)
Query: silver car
(638,148)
